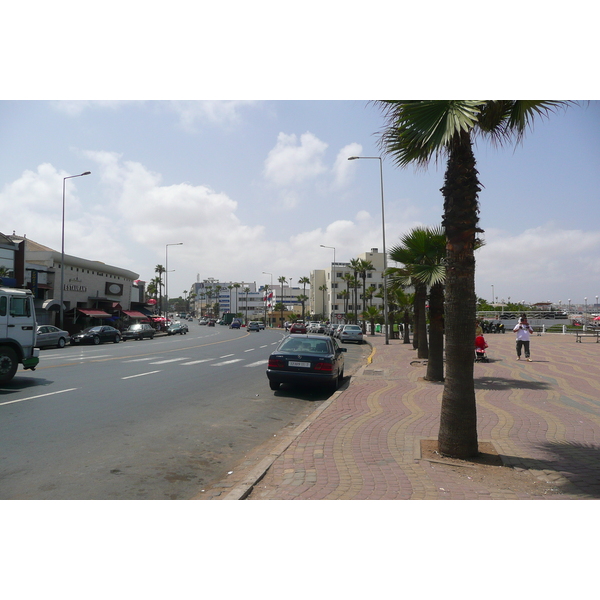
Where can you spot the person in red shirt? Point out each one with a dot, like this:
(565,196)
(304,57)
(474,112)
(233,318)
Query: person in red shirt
(480,346)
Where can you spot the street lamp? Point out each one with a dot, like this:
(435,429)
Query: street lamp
(585,314)
(492,294)
(385,307)
(167,279)
(62,256)
(332,277)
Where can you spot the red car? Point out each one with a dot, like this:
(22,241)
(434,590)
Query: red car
(298,328)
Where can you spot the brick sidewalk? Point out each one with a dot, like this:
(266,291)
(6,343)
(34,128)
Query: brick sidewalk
(542,418)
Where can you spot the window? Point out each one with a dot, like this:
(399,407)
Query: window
(19,307)
(2,306)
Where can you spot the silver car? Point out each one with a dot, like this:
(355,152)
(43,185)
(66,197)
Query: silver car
(351,333)
(48,335)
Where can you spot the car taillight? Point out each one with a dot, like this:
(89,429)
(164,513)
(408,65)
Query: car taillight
(327,367)
(276,363)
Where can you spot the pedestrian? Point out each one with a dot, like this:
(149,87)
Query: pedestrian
(523,329)
(478,329)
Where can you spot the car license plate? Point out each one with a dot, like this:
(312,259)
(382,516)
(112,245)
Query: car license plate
(296,363)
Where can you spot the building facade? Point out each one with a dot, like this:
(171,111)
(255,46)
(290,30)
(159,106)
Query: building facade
(333,298)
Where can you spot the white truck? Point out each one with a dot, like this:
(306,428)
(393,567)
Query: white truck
(17,332)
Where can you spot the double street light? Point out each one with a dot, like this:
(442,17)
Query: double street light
(167,278)
(62,252)
(385,306)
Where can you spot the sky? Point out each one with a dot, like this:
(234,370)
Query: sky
(254,187)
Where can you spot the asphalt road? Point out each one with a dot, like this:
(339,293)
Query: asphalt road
(150,419)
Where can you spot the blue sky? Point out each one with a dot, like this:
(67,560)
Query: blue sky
(253,186)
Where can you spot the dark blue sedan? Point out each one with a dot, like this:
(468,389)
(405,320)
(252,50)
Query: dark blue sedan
(312,359)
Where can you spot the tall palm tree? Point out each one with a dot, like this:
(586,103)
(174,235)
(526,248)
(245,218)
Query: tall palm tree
(370,314)
(355,266)
(415,132)
(160,270)
(422,251)
(282,280)
(237,286)
(304,281)
(364,266)
(323,288)
(246,291)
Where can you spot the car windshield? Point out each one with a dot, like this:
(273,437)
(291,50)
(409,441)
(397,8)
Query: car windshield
(352,328)
(135,327)
(305,346)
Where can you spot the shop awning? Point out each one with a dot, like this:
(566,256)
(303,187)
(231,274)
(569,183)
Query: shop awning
(51,303)
(94,313)
(134,314)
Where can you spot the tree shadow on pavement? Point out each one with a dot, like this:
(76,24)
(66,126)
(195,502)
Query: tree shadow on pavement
(503,383)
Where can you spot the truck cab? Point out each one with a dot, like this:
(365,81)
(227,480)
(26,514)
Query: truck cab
(17,332)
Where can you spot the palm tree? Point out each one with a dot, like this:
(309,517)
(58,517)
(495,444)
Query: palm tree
(422,252)
(160,270)
(281,280)
(323,288)
(302,298)
(355,266)
(363,267)
(237,286)
(370,314)
(304,281)
(344,295)
(246,291)
(416,131)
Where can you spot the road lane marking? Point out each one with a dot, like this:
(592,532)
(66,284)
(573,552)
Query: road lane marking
(249,350)
(141,374)
(40,396)
(257,363)
(141,359)
(195,362)
(264,346)
(226,362)
(226,356)
(90,357)
(169,360)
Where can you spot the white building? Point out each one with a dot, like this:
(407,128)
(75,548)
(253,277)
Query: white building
(328,288)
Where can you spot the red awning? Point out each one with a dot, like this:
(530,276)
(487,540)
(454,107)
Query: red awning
(134,314)
(94,313)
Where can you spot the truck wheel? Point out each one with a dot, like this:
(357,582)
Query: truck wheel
(8,364)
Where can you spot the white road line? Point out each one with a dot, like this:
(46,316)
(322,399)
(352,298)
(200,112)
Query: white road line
(168,360)
(141,374)
(226,356)
(249,350)
(89,357)
(141,359)
(226,362)
(257,363)
(264,346)
(195,362)
(40,396)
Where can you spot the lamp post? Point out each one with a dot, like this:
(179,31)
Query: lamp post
(62,254)
(585,314)
(492,293)
(332,277)
(167,278)
(385,307)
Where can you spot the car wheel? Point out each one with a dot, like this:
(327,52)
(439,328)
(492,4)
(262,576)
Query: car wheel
(61,342)
(117,339)
(8,364)
(96,340)
(274,385)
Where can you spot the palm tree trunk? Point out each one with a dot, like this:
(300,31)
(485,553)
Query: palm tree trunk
(421,333)
(406,323)
(458,420)
(435,363)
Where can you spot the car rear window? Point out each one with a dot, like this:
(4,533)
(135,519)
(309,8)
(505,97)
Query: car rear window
(311,346)
(352,328)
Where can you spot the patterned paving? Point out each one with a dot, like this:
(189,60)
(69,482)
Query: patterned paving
(542,417)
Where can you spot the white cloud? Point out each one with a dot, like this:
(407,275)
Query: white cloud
(539,264)
(193,112)
(290,163)
(343,170)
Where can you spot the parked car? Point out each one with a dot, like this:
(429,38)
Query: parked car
(298,328)
(261,325)
(351,333)
(235,325)
(202,322)
(253,326)
(138,331)
(48,335)
(97,335)
(312,359)
(175,328)
(211,323)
